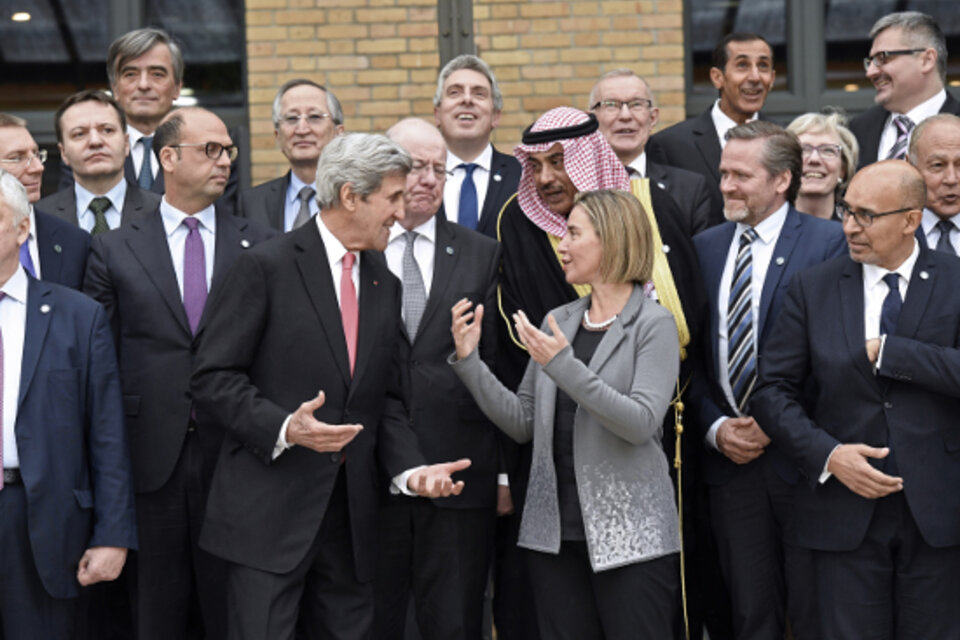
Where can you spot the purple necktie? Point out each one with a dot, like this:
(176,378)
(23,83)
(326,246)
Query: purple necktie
(194,274)
(25,258)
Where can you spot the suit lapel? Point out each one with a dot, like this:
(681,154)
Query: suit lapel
(779,261)
(277,202)
(373,269)
(49,250)
(229,244)
(494,185)
(706,141)
(150,247)
(922,281)
(850,290)
(657,175)
(445,258)
(39,308)
(67,206)
(315,273)
(617,332)
(714,260)
(132,205)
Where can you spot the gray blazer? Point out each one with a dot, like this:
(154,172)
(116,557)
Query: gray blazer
(625,491)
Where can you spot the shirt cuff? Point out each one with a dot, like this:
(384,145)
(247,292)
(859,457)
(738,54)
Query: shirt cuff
(399,483)
(883,341)
(503,480)
(711,437)
(282,444)
(825,475)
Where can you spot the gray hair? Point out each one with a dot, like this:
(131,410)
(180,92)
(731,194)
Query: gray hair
(333,105)
(15,195)
(472,62)
(919,30)
(831,120)
(360,160)
(134,44)
(618,73)
(781,150)
(918,132)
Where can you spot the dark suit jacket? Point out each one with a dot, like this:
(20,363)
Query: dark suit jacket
(130,272)
(868,127)
(274,338)
(691,193)
(692,145)
(62,248)
(70,435)
(804,241)
(443,415)
(505,173)
(264,204)
(137,202)
(911,404)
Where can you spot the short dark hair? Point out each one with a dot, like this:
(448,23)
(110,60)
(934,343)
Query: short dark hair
(721,56)
(168,133)
(87,95)
(919,30)
(781,150)
(134,44)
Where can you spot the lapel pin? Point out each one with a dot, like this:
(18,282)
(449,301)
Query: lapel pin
(44,308)
(58,248)
(449,251)
(780,261)
(924,275)
(666,248)
(245,243)
(376,282)
(496,177)
(662,186)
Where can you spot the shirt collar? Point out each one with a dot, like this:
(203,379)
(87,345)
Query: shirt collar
(335,249)
(484,160)
(116,195)
(930,220)
(428,230)
(873,274)
(15,287)
(293,189)
(173,217)
(723,123)
(640,164)
(33,224)
(769,229)
(925,109)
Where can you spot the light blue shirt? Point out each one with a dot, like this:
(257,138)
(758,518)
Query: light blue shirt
(291,204)
(85,217)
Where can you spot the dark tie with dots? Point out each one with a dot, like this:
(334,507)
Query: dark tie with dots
(99,206)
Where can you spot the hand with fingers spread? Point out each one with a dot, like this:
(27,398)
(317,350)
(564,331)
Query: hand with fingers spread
(306,431)
(850,466)
(466,327)
(542,347)
(435,481)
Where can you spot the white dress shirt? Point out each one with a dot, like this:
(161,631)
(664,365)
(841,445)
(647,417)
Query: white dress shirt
(32,244)
(723,123)
(768,233)
(639,164)
(177,233)
(85,217)
(13,320)
(423,251)
(136,153)
(918,114)
(481,180)
(291,203)
(932,233)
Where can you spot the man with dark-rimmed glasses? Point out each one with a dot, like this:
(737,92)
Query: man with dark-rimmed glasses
(907,64)
(153,277)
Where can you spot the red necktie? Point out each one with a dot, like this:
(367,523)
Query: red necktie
(349,313)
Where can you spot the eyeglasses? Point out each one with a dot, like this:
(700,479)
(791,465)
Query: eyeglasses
(213,149)
(826,151)
(880,58)
(27,158)
(439,172)
(313,119)
(636,105)
(865,218)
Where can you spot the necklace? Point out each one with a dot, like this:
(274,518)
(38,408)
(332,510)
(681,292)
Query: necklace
(599,325)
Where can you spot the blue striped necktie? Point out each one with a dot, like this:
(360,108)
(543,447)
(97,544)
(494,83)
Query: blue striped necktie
(741,345)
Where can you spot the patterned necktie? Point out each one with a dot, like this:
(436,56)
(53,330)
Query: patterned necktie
(2,294)
(194,274)
(741,348)
(467,212)
(145,180)
(99,206)
(414,293)
(890,311)
(904,127)
(25,258)
(349,312)
(304,214)
(944,244)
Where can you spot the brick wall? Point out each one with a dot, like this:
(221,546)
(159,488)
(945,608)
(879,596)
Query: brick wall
(380,57)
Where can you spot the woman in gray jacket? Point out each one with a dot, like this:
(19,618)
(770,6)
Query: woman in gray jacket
(599,521)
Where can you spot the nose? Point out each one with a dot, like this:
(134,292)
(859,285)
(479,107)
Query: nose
(544,175)
(34,166)
(224,158)
(873,69)
(754,73)
(142,79)
(95,138)
(302,126)
(951,174)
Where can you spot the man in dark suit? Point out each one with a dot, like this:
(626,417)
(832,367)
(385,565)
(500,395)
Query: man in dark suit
(935,152)
(742,72)
(859,386)
(467,108)
(908,66)
(628,129)
(153,276)
(66,492)
(55,250)
(306,116)
(438,550)
(293,504)
(747,263)
(92,137)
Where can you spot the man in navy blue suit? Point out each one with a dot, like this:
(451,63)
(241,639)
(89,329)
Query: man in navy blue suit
(859,385)
(66,497)
(747,263)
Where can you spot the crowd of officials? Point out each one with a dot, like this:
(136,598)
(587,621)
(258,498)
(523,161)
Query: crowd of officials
(634,385)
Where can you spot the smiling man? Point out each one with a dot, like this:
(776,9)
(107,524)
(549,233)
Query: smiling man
(91,130)
(306,116)
(467,108)
(742,73)
(907,64)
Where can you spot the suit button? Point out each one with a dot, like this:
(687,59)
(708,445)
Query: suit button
(888,405)
(335,457)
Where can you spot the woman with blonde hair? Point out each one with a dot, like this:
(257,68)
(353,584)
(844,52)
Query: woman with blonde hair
(830,153)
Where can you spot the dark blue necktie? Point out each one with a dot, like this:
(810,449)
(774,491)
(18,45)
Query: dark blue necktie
(145,179)
(890,311)
(467,213)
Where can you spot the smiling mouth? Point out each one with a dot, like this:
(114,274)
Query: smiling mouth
(816,175)
(466,117)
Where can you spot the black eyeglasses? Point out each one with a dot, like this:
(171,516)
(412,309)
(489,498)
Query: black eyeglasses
(636,105)
(213,149)
(865,218)
(880,57)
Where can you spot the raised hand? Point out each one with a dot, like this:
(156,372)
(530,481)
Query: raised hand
(542,347)
(466,327)
(306,431)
